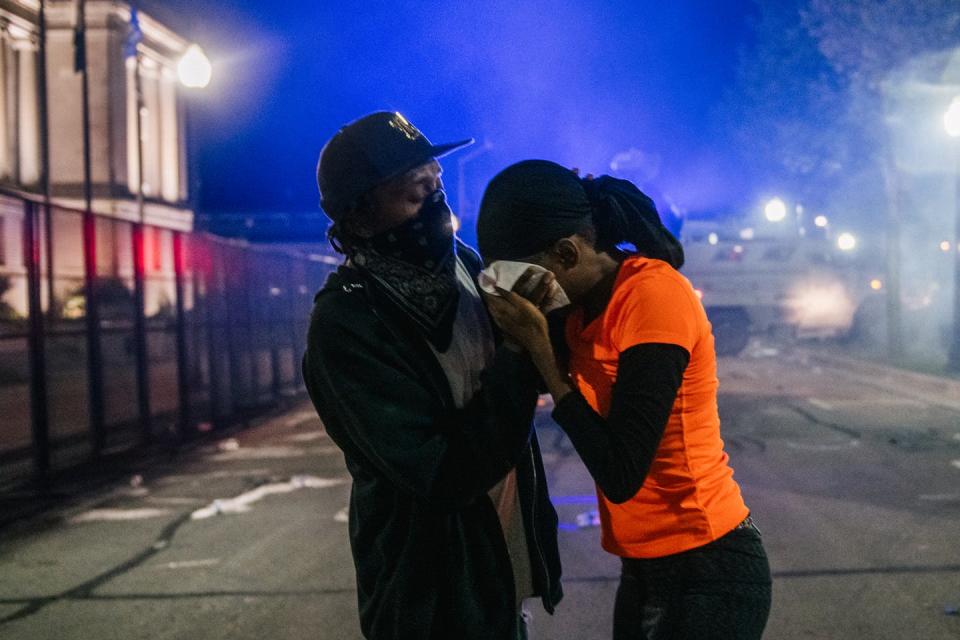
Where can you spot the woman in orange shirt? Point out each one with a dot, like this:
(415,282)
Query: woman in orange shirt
(635,389)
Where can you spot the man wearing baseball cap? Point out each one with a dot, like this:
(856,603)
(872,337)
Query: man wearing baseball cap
(451,525)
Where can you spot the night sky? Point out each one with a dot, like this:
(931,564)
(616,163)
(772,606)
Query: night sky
(572,82)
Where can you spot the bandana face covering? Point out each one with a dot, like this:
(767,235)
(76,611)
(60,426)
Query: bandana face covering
(415,265)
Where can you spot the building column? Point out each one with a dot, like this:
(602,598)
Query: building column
(150,82)
(5,160)
(134,134)
(28,112)
(169,137)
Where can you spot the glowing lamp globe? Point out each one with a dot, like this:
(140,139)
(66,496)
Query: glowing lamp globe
(951,119)
(846,242)
(775,210)
(194,68)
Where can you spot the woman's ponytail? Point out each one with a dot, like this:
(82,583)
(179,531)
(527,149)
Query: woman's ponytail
(624,214)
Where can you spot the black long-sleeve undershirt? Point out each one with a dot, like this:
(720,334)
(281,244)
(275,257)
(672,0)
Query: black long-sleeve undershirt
(619,449)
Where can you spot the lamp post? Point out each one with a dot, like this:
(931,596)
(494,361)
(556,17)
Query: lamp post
(194,72)
(461,177)
(951,123)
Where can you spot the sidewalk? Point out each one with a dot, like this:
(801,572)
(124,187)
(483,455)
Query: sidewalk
(21,497)
(239,537)
(940,390)
(245,536)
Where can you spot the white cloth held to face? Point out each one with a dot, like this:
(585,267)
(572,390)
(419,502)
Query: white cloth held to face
(505,273)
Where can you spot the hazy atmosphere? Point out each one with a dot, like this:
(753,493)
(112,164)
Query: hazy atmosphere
(172,466)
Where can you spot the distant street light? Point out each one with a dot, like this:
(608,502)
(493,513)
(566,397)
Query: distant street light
(846,242)
(775,210)
(713,238)
(821,221)
(194,68)
(951,123)
(951,119)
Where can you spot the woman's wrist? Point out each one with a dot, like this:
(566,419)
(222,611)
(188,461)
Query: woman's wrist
(545,361)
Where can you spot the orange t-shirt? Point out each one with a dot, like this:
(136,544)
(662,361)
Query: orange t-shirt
(689,497)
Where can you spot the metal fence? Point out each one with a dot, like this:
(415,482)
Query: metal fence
(114,333)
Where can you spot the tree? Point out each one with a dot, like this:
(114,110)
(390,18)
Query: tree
(809,105)
(865,41)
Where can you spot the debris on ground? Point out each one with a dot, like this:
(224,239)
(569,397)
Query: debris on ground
(230,444)
(588,519)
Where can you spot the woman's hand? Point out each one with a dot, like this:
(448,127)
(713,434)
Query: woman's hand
(524,324)
(520,319)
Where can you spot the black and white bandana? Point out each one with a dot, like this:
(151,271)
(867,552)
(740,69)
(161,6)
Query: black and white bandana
(415,265)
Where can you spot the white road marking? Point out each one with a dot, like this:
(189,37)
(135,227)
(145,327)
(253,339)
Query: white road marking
(940,497)
(213,475)
(117,515)
(174,500)
(228,445)
(955,463)
(300,418)
(241,503)
(257,453)
(822,447)
(190,564)
(821,404)
(309,436)
(343,515)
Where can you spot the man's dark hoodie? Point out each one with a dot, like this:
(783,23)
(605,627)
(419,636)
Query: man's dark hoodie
(429,550)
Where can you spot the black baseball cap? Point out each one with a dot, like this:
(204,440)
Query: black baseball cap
(368,152)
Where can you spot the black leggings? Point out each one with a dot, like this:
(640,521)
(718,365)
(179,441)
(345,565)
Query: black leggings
(720,591)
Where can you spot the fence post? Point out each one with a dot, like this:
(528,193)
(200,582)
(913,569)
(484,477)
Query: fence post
(293,287)
(94,352)
(213,353)
(183,370)
(231,298)
(245,259)
(36,344)
(140,334)
(274,322)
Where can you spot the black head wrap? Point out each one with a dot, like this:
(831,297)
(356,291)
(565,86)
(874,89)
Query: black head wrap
(530,205)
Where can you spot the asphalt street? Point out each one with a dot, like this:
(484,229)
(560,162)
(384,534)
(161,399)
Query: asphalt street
(852,472)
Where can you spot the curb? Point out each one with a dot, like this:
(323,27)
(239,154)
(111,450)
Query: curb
(22,502)
(937,390)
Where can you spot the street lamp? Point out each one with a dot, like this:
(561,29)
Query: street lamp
(846,241)
(951,118)
(821,221)
(776,210)
(194,68)
(951,123)
(194,71)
